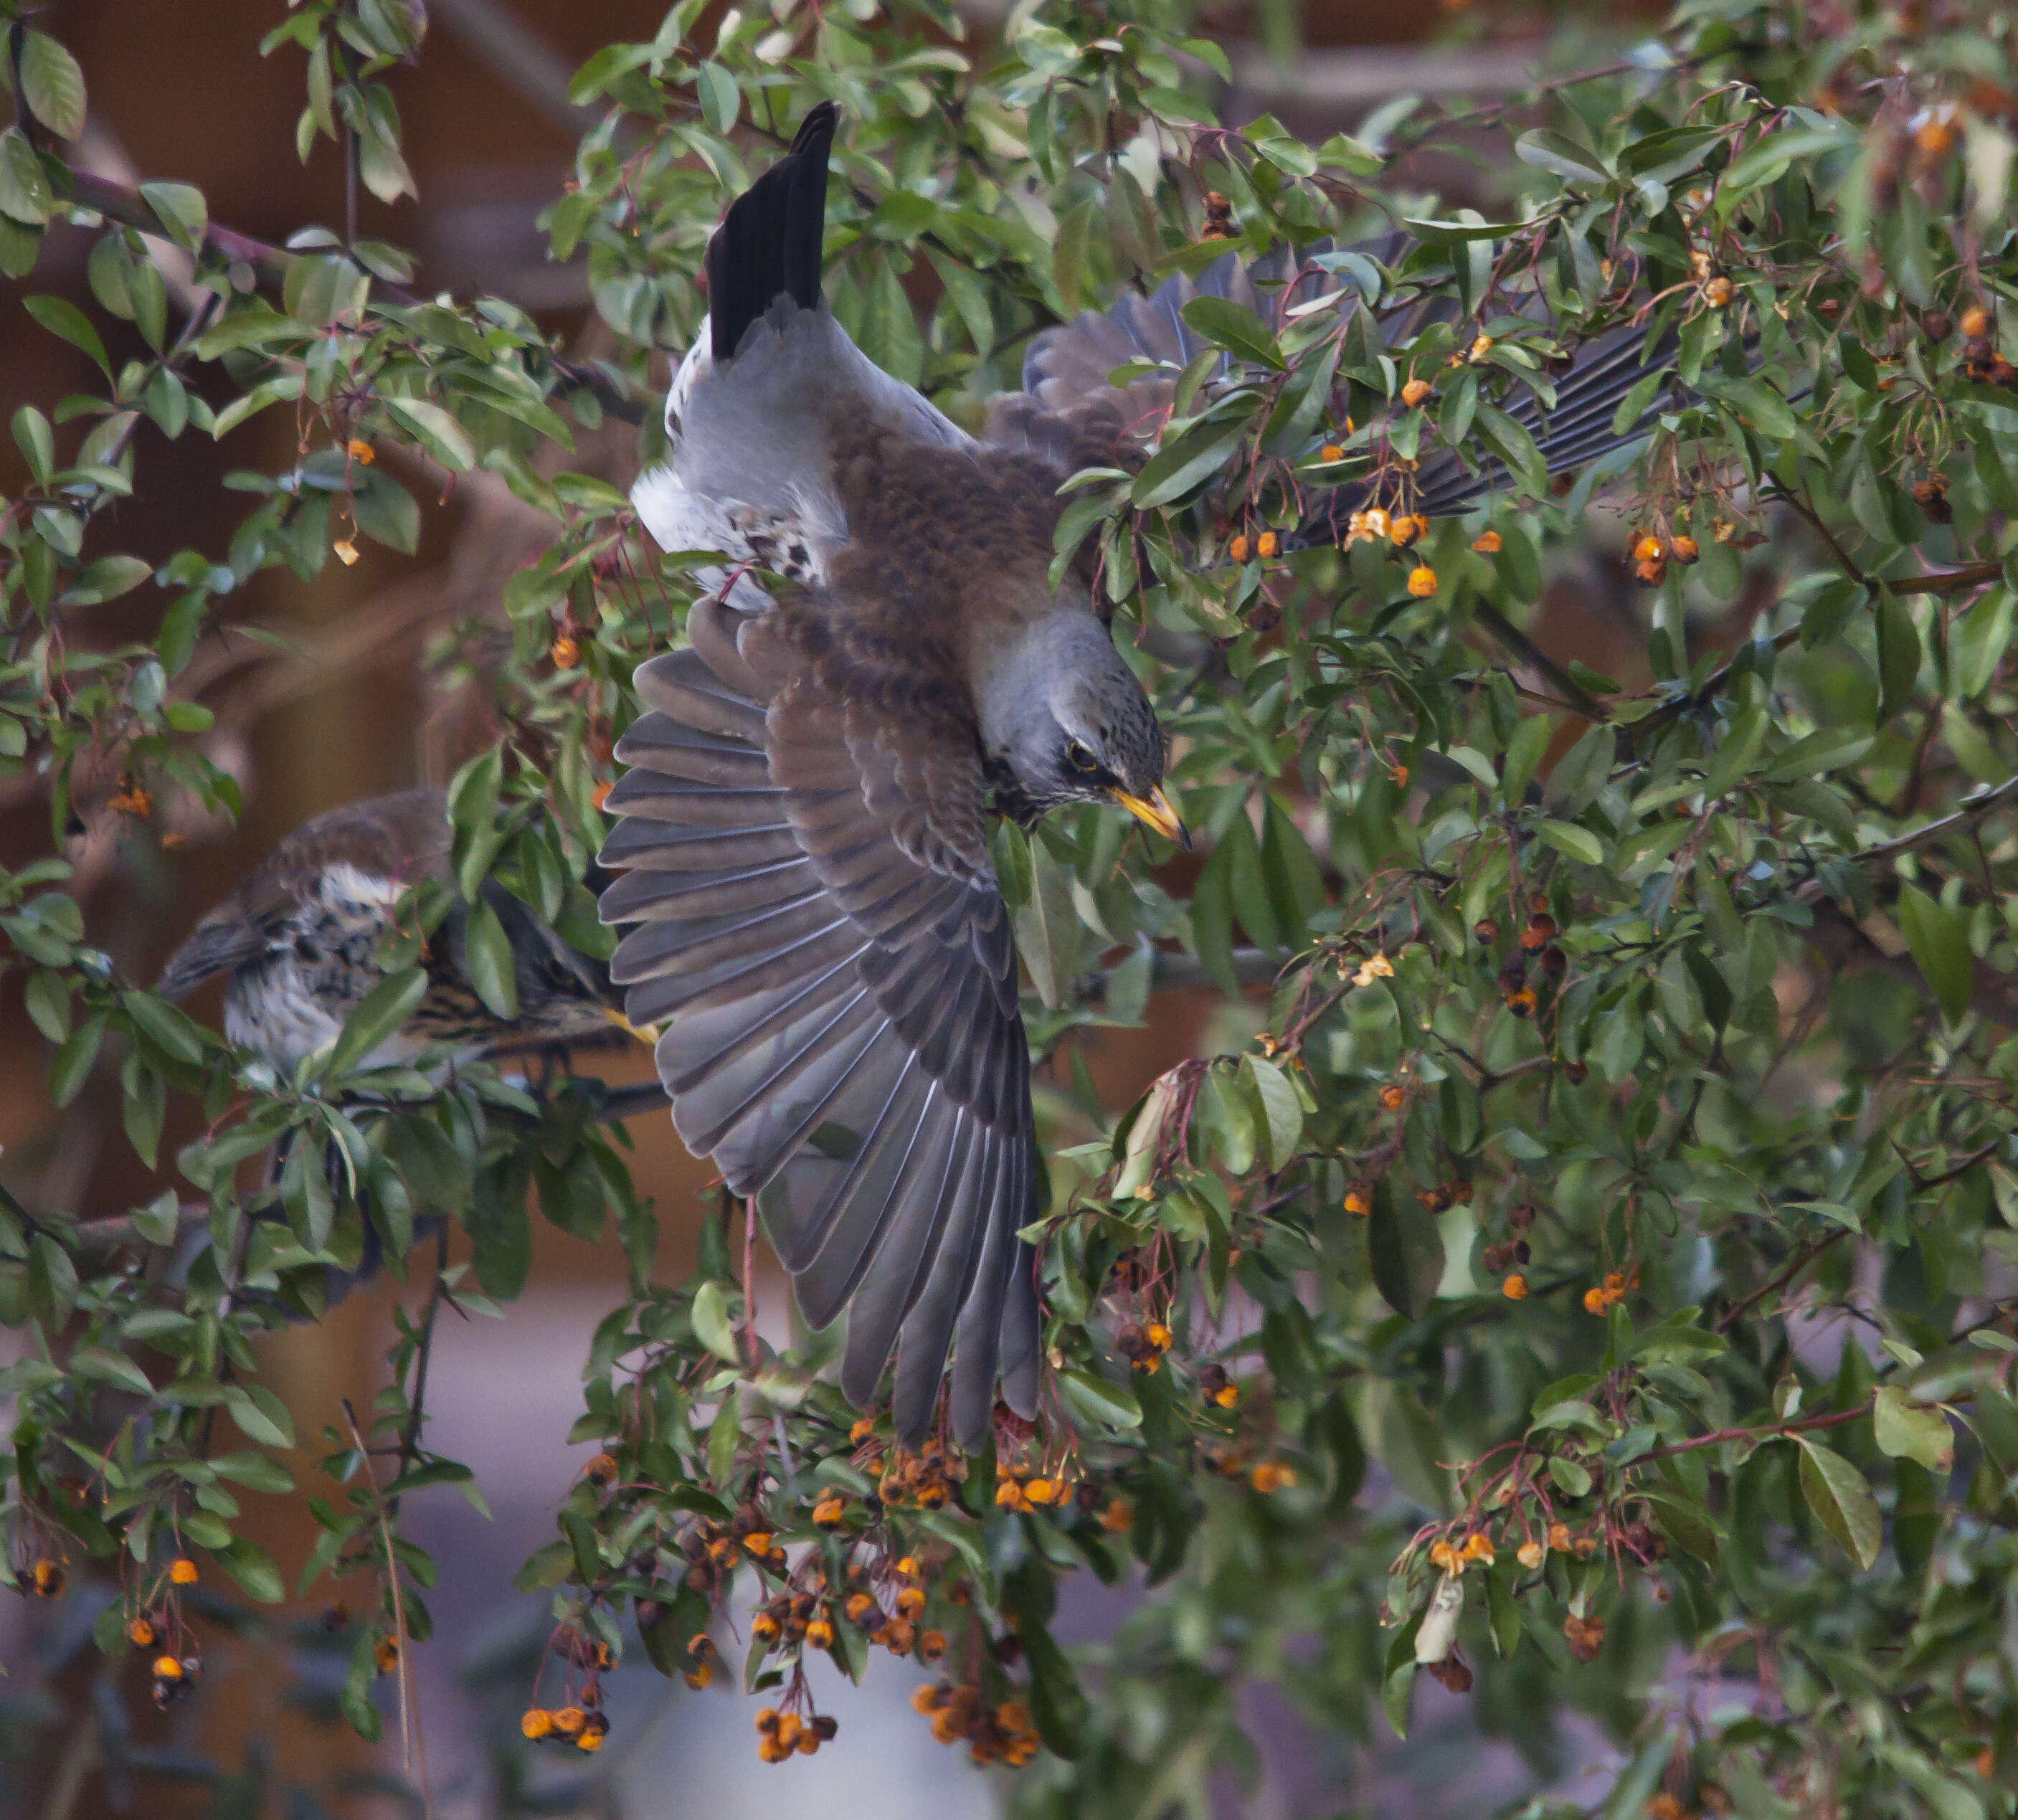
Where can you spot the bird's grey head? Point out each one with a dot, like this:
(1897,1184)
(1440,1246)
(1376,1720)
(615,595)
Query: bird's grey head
(1063,720)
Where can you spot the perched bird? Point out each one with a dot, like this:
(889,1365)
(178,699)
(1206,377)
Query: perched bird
(802,829)
(298,940)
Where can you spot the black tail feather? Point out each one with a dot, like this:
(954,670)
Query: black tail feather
(768,243)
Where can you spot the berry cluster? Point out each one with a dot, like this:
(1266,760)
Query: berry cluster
(583,1727)
(781,1734)
(1535,947)
(1617,1285)
(998,1734)
(1143,1345)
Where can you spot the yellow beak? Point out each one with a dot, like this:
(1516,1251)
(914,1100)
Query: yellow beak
(647,1038)
(1155,812)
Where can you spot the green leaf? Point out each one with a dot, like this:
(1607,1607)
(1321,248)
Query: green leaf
(1899,654)
(488,955)
(379,1016)
(1047,928)
(66,322)
(52,85)
(711,1323)
(436,431)
(174,1032)
(106,579)
(181,209)
(1567,838)
(1841,1500)
(36,441)
(1235,327)
(1939,941)
(261,1417)
(1091,1399)
(1281,1113)
(110,1367)
(1564,157)
(1906,1430)
(253,1568)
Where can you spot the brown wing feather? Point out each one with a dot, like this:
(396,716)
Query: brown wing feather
(837,962)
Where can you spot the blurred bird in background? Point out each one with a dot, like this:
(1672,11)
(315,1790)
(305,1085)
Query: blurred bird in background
(803,829)
(299,944)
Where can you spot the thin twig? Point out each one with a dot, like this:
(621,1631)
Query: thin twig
(412,1744)
(1773,1431)
(1806,1256)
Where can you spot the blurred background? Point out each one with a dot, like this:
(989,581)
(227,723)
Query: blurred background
(346,701)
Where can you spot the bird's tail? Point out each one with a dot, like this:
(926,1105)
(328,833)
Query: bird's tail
(768,243)
(215,946)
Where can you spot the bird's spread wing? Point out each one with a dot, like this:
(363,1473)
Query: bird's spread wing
(1071,412)
(820,922)
(770,382)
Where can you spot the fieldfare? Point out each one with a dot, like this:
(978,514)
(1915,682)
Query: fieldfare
(299,941)
(803,826)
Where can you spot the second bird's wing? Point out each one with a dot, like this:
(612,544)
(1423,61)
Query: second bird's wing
(822,926)
(1071,412)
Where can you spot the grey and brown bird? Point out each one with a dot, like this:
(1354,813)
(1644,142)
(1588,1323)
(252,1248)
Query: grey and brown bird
(299,940)
(803,825)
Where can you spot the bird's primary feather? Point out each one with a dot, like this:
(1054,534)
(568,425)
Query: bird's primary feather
(844,1037)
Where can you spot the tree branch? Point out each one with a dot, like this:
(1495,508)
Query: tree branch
(116,203)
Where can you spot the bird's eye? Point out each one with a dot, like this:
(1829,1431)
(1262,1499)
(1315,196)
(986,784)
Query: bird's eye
(1082,757)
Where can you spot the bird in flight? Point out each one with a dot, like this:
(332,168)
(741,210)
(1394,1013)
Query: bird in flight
(298,941)
(802,830)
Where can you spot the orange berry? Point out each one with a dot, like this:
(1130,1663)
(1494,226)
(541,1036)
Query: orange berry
(819,1634)
(1422,581)
(1414,391)
(1331,452)
(1649,548)
(536,1722)
(569,1720)
(1976,322)
(1117,1516)
(1718,292)
(360,451)
(1359,1199)
(589,1741)
(1515,1287)
(1392,1097)
(344,551)
(386,1652)
(1529,1555)
(1238,549)
(1684,549)
(1559,1536)
(565,653)
(139,1633)
(167,1668)
(1935,139)
(1487,543)
(49,1578)
(1479,348)
(1266,544)
(1594,1302)
(602,1471)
